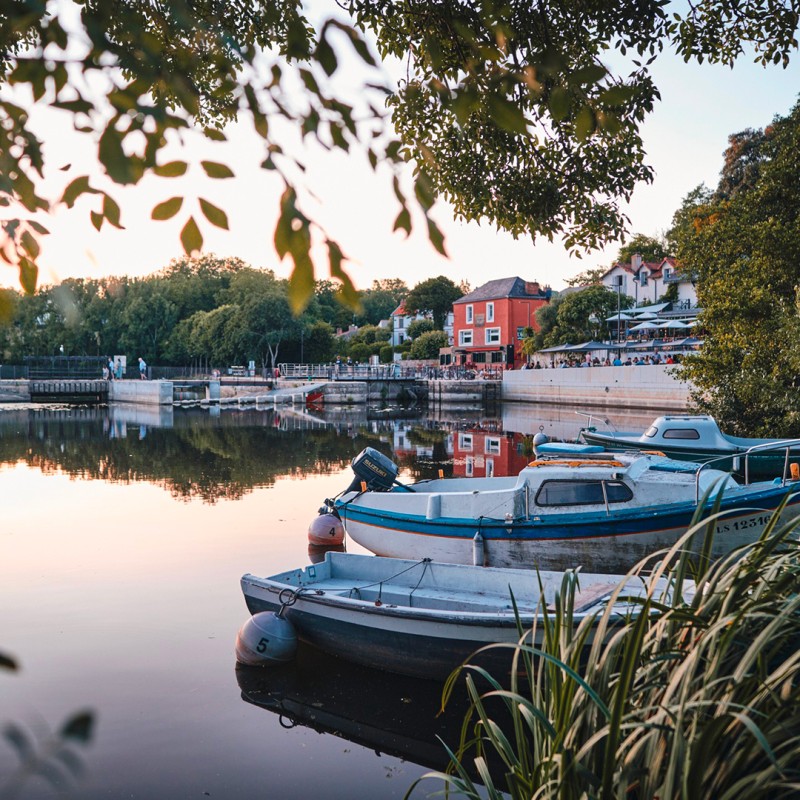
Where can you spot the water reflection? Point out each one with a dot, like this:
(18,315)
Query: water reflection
(194,453)
(393,715)
(120,559)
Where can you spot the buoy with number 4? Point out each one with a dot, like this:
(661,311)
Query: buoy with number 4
(266,639)
(326,529)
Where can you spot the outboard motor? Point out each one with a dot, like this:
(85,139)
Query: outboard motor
(375,469)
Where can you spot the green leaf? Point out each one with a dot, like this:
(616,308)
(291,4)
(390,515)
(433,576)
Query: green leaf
(436,237)
(584,124)
(216,170)
(301,282)
(167,209)
(325,57)
(97,219)
(559,104)
(29,244)
(75,189)
(335,258)
(214,134)
(78,727)
(38,227)
(216,216)
(113,157)
(191,238)
(111,211)
(28,275)
(6,662)
(590,74)
(617,95)
(173,169)
(403,221)
(506,115)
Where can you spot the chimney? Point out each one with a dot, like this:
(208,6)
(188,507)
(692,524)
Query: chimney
(532,287)
(636,262)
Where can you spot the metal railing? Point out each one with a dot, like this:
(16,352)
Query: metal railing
(345,372)
(784,444)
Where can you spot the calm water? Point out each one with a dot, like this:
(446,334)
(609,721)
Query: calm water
(124,534)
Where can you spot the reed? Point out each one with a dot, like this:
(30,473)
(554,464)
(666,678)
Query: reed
(694,697)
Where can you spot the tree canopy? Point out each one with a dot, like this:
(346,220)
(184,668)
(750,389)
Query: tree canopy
(435,295)
(575,317)
(648,247)
(525,116)
(744,247)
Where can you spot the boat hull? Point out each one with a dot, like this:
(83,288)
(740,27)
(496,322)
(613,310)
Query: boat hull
(385,641)
(610,543)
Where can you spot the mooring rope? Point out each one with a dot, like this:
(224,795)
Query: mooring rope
(425,562)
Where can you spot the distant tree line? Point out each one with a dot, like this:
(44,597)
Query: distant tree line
(210,311)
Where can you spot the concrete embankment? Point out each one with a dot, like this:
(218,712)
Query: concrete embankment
(647,386)
(15,391)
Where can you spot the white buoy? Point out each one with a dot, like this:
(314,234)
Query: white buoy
(540,438)
(326,529)
(478,553)
(266,640)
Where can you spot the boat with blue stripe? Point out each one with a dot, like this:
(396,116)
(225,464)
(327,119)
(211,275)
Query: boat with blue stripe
(573,505)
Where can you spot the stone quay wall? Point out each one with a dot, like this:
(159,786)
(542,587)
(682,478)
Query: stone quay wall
(646,386)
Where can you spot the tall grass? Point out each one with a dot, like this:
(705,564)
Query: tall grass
(696,696)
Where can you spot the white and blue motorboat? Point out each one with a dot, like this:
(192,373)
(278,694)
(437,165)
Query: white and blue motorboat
(571,506)
(697,437)
(424,619)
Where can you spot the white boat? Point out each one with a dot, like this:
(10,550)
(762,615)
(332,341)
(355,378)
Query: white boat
(697,437)
(423,618)
(602,511)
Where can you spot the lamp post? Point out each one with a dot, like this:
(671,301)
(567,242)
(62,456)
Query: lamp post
(594,322)
(619,320)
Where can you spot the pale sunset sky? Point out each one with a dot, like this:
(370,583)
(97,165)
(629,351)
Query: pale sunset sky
(684,139)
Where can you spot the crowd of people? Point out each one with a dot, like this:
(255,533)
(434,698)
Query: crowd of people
(594,361)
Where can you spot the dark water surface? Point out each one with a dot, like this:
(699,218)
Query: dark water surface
(124,534)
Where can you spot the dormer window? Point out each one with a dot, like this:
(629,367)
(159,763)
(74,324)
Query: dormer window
(643,277)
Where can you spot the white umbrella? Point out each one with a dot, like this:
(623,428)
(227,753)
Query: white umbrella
(673,323)
(641,315)
(644,326)
(621,316)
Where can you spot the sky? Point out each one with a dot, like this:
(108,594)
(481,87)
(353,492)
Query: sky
(684,140)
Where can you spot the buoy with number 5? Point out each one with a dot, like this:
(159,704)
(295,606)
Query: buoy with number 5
(266,640)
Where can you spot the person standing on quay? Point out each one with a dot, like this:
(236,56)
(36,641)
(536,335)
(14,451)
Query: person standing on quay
(142,369)
(118,370)
(110,369)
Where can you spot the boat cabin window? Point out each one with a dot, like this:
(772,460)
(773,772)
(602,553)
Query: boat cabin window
(681,433)
(651,432)
(580,493)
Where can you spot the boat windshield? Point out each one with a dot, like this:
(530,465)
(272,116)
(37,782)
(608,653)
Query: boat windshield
(580,493)
(681,433)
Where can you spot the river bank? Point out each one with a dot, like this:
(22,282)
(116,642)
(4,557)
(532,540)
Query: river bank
(640,387)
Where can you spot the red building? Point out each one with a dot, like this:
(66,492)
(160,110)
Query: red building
(488,454)
(489,323)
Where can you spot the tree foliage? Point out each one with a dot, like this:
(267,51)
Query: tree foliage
(202,312)
(649,248)
(428,344)
(574,318)
(526,116)
(745,248)
(418,327)
(435,296)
